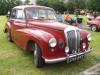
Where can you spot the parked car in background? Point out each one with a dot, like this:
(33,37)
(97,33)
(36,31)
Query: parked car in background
(94,24)
(36,28)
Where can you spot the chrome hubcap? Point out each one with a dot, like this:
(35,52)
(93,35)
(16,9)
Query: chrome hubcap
(94,28)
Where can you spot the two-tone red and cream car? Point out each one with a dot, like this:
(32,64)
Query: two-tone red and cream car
(94,24)
(36,28)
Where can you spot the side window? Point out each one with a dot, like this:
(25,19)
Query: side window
(20,14)
(32,13)
(13,14)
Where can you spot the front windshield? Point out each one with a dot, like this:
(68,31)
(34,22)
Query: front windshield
(36,13)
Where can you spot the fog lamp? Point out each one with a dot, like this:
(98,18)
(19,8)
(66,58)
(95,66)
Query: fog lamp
(67,49)
(89,37)
(84,45)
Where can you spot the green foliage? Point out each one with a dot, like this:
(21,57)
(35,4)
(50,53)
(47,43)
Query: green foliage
(42,2)
(6,5)
(27,2)
(56,4)
(71,5)
(93,5)
(62,6)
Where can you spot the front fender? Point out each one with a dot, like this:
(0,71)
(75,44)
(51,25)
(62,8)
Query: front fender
(39,36)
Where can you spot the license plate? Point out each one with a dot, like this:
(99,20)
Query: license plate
(78,57)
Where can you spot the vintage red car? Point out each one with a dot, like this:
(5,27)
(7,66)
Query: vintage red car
(94,24)
(35,28)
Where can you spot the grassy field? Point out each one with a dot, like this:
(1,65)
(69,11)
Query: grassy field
(14,61)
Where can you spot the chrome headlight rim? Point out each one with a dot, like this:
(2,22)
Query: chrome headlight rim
(52,42)
(89,37)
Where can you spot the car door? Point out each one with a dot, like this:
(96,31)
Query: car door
(18,24)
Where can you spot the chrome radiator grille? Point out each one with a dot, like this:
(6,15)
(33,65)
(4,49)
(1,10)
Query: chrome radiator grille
(73,40)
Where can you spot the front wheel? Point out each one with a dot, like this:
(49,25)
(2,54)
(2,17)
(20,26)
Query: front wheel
(94,28)
(38,60)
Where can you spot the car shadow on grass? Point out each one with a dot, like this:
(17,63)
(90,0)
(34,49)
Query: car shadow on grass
(60,67)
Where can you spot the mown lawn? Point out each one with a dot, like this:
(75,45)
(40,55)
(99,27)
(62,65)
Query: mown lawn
(14,61)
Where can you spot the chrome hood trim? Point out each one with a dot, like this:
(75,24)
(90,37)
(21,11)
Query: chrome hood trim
(71,28)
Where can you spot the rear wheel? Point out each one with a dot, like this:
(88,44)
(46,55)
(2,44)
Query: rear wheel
(94,28)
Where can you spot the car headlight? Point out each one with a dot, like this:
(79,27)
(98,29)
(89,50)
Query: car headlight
(89,37)
(84,45)
(52,42)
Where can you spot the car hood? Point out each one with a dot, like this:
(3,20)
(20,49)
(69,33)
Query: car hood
(49,24)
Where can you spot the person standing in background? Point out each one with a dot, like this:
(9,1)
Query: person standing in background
(88,16)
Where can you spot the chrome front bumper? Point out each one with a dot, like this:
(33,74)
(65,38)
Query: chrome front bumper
(70,57)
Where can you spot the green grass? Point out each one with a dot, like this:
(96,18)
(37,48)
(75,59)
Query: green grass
(14,61)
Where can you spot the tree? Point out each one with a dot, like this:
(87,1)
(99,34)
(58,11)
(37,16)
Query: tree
(56,4)
(27,2)
(93,5)
(71,5)
(6,5)
(80,4)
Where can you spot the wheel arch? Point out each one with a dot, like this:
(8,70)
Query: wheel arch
(7,27)
(29,41)
(5,30)
(93,24)
(33,42)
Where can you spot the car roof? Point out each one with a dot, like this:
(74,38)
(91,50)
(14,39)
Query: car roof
(98,16)
(30,6)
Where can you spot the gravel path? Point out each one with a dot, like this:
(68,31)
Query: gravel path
(95,70)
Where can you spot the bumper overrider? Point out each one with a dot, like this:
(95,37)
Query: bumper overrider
(70,57)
